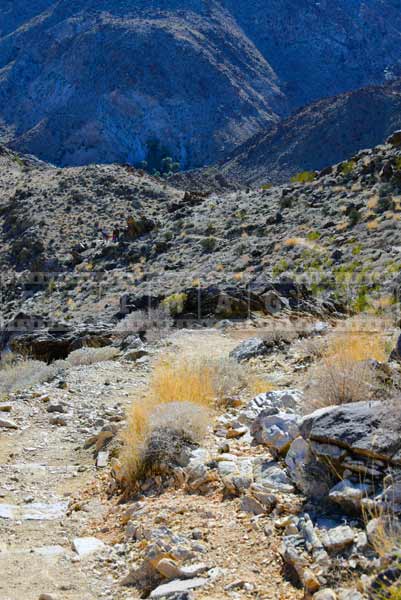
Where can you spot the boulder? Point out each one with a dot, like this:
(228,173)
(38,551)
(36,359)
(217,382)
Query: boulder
(369,429)
(310,476)
(394,139)
(251,348)
(275,431)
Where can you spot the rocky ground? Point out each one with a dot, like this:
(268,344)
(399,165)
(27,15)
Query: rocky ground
(246,516)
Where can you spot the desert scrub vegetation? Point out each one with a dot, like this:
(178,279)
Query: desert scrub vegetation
(155,322)
(346,370)
(90,356)
(176,412)
(304,177)
(19,375)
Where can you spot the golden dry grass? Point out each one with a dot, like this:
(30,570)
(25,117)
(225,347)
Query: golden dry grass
(357,340)
(196,381)
(344,373)
(372,225)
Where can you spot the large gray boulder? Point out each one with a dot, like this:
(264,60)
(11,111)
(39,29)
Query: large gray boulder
(369,429)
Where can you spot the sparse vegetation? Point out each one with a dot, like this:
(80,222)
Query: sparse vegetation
(16,375)
(344,373)
(182,394)
(304,177)
(89,356)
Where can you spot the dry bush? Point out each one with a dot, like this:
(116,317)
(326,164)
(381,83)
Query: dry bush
(157,435)
(156,323)
(182,395)
(345,372)
(20,375)
(200,380)
(90,356)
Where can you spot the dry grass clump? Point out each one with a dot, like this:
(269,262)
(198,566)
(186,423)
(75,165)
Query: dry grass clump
(346,373)
(156,323)
(90,356)
(177,408)
(16,376)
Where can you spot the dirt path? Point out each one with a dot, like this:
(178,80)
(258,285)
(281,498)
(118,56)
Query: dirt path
(41,466)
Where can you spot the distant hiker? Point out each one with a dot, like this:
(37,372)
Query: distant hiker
(116,234)
(131,227)
(105,235)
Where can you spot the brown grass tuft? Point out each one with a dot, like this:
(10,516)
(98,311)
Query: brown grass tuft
(181,398)
(345,374)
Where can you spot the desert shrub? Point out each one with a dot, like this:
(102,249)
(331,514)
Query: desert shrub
(158,436)
(347,167)
(208,244)
(200,380)
(24,374)
(156,323)
(176,410)
(346,372)
(89,356)
(304,177)
(174,304)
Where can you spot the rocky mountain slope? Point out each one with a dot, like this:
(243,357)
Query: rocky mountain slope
(338,234)
(120,81)
(317,136)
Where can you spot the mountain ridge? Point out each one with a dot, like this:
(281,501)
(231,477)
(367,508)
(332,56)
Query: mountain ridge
(84,82)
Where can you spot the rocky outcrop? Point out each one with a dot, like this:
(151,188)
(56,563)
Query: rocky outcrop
(350,455)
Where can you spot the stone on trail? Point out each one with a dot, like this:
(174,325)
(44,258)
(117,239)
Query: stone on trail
(177,586)
(275,431)
(8,424)
(34,512)
(87,545)
(337,538)
(102,460)
(250,348)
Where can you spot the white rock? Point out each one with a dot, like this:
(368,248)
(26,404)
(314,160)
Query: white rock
(87,545)
(177,586)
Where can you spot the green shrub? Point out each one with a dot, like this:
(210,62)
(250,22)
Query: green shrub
(209,244)
(304,177)
(348,167)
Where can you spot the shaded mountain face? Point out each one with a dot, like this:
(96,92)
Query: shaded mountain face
(125,80)
(321,134)
(92,83)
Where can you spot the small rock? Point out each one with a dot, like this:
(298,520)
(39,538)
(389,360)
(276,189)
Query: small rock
(168,568)
(338,538)
(8,424)
(251,505)
(102,460)
(275,431)
(47,597)
(87,545)
(58,420)
(326,594)
(177,586)
(55,407)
